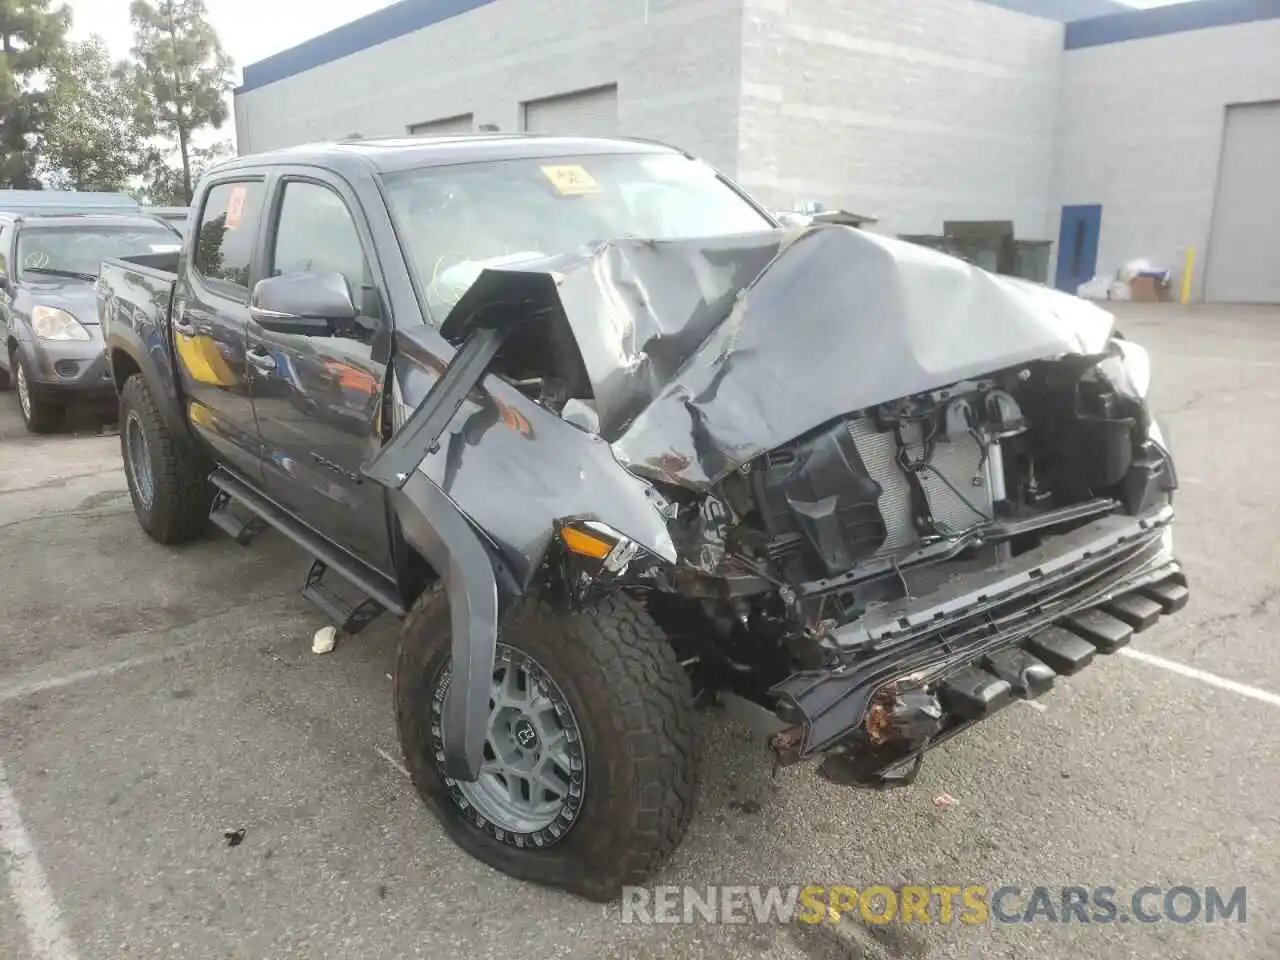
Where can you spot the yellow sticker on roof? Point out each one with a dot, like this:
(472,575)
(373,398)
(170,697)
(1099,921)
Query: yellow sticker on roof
(571,180)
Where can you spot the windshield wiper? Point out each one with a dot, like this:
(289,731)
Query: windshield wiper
(50,271)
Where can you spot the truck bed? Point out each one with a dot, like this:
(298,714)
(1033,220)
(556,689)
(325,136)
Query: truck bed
(135,291)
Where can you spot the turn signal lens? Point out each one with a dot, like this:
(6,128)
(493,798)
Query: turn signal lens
(584,543)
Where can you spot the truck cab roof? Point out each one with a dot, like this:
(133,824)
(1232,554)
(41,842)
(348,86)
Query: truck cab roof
(390,154)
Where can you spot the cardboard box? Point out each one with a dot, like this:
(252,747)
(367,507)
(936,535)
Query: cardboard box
(1149,290)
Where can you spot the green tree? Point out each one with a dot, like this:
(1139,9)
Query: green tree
(92,139)
(164,184)
(183,74)
(31,36)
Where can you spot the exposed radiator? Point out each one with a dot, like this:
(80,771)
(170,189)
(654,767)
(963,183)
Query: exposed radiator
(959,460)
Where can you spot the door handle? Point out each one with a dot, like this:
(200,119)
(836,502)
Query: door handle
(261,360)
(185,328)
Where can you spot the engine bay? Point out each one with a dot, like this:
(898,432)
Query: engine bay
(891,501)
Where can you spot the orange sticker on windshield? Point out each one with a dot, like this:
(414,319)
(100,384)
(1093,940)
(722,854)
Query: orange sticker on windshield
(571,180)
(235,207)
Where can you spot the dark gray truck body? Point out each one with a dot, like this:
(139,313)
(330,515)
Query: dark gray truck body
(716,352)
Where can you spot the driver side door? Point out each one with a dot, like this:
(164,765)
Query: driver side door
(317,396)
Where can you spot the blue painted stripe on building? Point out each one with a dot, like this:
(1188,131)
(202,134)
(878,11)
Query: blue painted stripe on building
(1159,21)
(369,31)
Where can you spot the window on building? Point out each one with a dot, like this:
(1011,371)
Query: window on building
(228,229)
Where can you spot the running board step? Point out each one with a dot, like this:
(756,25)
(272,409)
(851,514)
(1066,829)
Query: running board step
(350,617)
(375,592)
(231,522)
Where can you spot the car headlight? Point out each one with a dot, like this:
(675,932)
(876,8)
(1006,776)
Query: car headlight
(597,553)
(50,323)
(599,542)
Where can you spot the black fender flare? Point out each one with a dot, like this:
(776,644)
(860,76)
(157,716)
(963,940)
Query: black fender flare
(436,528)
(161,382)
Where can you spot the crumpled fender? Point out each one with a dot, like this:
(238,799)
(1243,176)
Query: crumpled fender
(439,532)
(478,476)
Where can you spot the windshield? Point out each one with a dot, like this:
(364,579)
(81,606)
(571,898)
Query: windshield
(456,220)
(79,251)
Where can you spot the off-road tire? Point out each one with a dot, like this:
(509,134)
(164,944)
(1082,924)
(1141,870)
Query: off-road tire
(632,702)
(45,417)
(179,509)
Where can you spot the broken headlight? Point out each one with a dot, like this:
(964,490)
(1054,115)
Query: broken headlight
(596,552)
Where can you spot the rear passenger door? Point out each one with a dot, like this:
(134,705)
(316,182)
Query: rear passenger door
(317,398)
(210,316)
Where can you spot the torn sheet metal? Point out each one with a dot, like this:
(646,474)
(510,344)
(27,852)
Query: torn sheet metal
(513,468)
(704,354)
(841,320)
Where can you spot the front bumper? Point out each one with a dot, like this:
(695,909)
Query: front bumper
(938,664)
(72,369)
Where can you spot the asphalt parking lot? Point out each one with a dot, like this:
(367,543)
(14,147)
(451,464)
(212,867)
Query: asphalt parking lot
(152,699)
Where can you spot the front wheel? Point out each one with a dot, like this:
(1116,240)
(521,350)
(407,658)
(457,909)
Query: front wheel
(38,415)
(590,758)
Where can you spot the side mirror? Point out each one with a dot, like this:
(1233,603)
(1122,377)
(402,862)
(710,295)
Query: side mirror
(4,282)
(308,304)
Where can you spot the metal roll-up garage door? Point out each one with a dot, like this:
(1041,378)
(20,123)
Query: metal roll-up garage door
(446,126)
(586,113)
(1244,251)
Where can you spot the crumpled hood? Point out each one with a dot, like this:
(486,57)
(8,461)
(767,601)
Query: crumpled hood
(841,320)
(704,354)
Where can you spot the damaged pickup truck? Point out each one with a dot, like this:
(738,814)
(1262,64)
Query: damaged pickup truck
(613,444)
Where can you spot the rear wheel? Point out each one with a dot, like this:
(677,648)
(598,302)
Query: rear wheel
(168,481)
(38,415)
(590,759)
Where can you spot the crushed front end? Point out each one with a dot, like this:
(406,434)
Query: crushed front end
(902,572)
(872,494)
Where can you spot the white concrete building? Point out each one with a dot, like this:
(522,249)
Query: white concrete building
(1130,134)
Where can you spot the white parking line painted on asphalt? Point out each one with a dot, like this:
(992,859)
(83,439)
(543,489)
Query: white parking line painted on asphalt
(1212,679)
(1035,705)
(16,691)
(386,755)
(31,892)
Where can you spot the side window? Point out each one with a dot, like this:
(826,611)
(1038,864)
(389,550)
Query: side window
(315,234)
(228,229)
(6,240)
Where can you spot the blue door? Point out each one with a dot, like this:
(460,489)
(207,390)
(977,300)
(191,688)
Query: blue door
(1078,245)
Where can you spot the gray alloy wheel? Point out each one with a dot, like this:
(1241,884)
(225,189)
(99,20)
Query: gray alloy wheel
(139,457)
(534,773)
(24,392)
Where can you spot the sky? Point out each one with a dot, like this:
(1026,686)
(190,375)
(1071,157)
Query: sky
(250,29)
(254,29)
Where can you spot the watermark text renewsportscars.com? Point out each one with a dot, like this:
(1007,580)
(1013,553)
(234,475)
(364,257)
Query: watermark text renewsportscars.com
(969,904)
